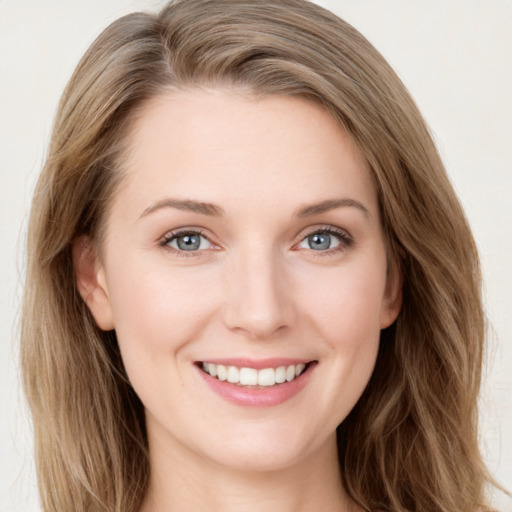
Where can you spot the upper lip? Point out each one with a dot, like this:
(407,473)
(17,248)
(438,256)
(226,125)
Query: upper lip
(258,364)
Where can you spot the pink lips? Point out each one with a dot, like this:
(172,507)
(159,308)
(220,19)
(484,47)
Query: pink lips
(258,396)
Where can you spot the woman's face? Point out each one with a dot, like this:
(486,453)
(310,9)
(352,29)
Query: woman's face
(244,240)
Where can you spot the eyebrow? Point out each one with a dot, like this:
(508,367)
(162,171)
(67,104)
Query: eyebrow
(187,205)
(213,210)
(330,204)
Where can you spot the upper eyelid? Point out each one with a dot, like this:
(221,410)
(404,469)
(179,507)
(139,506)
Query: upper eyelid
(326,228)
(174,233)
(345,237)
(303,232)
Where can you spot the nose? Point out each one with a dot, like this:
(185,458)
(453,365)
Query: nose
(258,297)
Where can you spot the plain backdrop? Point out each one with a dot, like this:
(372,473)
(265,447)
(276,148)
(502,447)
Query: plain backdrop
(455,56)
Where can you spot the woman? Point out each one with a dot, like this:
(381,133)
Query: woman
(250,283)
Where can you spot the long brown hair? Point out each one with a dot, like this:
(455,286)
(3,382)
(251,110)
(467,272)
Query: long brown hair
(411,441)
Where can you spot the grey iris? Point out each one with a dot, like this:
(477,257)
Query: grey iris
(319,241)
(189,242)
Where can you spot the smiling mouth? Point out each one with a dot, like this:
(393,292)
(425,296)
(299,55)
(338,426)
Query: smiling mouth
(254,378)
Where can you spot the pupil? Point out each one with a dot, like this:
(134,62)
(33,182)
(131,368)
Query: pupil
(319,241)
(188,242)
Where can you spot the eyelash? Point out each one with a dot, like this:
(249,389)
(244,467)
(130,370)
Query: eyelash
(169,237)
(343,236)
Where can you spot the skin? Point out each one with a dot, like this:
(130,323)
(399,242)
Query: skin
(255,288)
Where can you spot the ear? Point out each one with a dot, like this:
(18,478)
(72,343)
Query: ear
(392,300)
(91,283)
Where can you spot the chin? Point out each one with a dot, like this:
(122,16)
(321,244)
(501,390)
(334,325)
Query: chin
(264,449)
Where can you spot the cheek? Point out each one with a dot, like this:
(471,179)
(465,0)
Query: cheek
(352,322)
(347,319)
(347,306)
(157,310)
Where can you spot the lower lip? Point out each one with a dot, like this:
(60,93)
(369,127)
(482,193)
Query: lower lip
(258,397)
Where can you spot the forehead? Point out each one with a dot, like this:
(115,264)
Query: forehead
(219,145)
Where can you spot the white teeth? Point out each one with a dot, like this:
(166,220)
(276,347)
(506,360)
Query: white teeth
(222,373)
(233,374)
(248,376)
(299,369)
(212,369)
(252,377)
(280,374)
(266,377)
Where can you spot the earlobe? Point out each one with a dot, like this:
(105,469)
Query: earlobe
(91,283)
(392,302)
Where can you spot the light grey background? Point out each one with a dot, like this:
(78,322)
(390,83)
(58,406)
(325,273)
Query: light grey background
(454,55)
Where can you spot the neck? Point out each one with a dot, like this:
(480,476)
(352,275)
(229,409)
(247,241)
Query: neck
(183,480)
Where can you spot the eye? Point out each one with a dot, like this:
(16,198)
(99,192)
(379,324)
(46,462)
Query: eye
(325,240)
(188,241)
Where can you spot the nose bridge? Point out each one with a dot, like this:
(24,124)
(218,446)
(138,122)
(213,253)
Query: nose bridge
(257,300)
